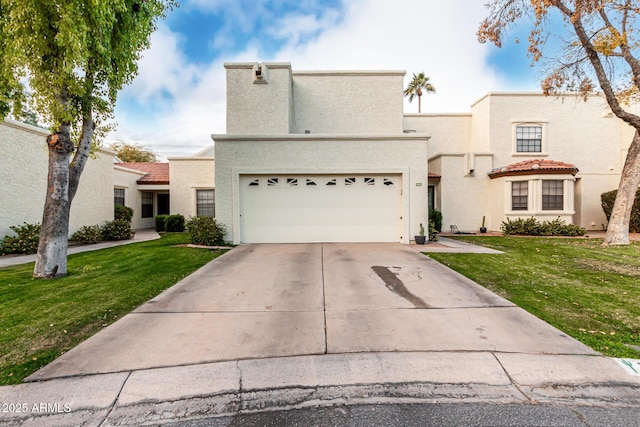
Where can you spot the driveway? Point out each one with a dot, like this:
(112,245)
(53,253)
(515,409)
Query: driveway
(266,300)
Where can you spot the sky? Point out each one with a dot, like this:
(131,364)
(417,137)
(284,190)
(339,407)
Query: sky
(177,99)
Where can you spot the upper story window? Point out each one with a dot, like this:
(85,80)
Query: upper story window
(529,139)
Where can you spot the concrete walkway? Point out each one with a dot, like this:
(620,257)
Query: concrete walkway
(140,236)
(283,326)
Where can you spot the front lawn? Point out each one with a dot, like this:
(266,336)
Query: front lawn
(588,291)
(41,319)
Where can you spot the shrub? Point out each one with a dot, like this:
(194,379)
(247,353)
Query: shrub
(88,234)
(531,227)
(174,223)
(122,212)
(205,231)
(607,199)
(161,220)
(118,229)
(433,232)
(26,241)
(436,216)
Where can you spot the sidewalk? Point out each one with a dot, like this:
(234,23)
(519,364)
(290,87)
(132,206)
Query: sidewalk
(140,236)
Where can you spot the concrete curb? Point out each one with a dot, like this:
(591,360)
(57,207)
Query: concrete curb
(181,393)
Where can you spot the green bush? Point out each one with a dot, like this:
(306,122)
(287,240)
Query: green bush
(26,241)
(88,234)
(118,229)
(433,232)
(531,227)
(607,199)
(205,231)
(436,216)
(122,212)
(161,220)
(174,223)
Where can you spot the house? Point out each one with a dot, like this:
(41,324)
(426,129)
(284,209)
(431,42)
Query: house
(329,156)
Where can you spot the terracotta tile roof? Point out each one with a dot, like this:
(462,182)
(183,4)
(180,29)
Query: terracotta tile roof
(157,173)
(534,167)
(434,175)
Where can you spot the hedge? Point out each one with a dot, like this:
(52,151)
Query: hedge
(607,199)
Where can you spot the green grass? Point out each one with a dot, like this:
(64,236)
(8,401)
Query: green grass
(589,291)
(41,319)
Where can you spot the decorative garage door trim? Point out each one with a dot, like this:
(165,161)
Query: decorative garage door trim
(288,208)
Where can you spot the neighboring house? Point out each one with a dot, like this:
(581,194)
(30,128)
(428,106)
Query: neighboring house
(23,173)
(330,156)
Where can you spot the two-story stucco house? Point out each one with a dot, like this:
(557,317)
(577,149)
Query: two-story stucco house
(330,156)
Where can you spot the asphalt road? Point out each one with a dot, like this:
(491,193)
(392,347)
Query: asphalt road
(430,414)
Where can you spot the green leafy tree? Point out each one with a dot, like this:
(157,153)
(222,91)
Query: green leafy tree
(133,153)
(600,48)
(76,55)
(418,85)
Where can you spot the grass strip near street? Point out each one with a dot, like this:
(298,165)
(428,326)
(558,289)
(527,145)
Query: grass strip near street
(589,291)
(41,319)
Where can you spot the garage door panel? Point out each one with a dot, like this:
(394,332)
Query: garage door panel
(338,208)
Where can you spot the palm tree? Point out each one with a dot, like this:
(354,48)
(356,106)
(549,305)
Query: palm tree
(418,83)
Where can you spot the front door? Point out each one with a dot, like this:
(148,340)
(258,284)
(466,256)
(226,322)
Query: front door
(163,204)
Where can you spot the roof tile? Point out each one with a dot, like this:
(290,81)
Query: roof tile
(157,173)
(534,166)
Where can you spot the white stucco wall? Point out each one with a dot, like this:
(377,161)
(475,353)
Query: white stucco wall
(188,174)
(24,174)
(348,102)
(290,154)
(450,133)
(259,107)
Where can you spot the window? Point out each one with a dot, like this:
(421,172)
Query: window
(432,197)
(272,182)
(387,182)
(332,181)
(349,181)
(552,195)
(205,205)
(118,196)
(147,205)
(519,195)
(310,182)
(254,183)
(529,139)
(292,181)
(370,181)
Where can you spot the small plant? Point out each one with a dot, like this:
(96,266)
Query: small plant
(160,220)
(433,232)
(26,241)
(174,223)
(205,231)
(436,216)
(421,230)
(87,234)
(483,229)
(122,212)
(118,229)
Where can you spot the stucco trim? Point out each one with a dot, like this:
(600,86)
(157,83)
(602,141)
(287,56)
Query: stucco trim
(349,73)
(440,155)
(320,137)
(25,127)
(250,65)
(134,171)
(186,158)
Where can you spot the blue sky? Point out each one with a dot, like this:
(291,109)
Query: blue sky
(178,99)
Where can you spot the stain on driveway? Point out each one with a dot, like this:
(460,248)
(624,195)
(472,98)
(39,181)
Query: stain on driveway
(395,285)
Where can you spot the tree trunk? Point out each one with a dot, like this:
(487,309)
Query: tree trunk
(618,228)
(419,106)
(51,260)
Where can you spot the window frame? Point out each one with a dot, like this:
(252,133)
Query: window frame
(549,202)
(116,198)
(145,207)
(516,124)
(522,185)
(203,205)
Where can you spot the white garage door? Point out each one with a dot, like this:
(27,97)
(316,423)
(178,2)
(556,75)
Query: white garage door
(320,208)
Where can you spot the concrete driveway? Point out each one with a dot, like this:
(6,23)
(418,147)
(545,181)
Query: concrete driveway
(261,301)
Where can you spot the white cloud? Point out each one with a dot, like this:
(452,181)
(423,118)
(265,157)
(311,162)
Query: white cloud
(415,35)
